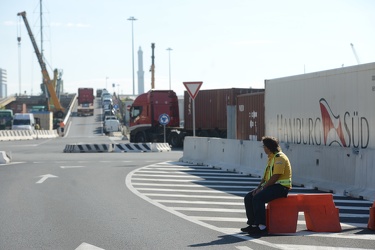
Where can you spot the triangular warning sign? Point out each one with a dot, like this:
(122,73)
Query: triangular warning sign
(193,88)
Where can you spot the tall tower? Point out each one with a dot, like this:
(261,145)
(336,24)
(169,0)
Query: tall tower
(141,73)
(3,83)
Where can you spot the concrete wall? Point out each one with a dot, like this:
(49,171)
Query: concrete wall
(343,171)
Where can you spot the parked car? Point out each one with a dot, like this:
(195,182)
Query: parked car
(111,125)
(108,112)
(107,102)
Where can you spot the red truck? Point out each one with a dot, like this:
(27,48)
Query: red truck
(211,118)
(85,101)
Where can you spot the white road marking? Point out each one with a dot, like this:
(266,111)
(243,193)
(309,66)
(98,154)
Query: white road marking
(244,248)
(307,247)
(188,218)
(86,246)
(193,181)
(45,177)
(72,166)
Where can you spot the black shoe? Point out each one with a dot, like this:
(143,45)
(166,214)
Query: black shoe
(246,229)
(257,231)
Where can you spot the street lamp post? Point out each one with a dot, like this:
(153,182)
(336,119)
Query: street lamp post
(132,19)
(169,54)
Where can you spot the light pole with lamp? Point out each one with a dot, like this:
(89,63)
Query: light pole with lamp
(132,19)
(169,54)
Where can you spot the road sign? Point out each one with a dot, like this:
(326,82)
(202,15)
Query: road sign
(193,88)
(164,119)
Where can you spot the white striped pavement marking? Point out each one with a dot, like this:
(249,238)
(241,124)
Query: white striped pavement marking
(187,185)
(203,209)
(187,180)
(307,247)
(194,177)
(243,219)
(201,202)
(128,182)
(243,248)
(187,190)
(195,171)
(195,196)
(234,231)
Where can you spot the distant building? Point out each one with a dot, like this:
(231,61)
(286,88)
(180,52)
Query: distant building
(141,73)
(3,83)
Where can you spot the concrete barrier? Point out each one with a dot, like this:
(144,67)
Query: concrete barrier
(25,134)
(45,134)
(4,157)
(195,150)
(16,135)
(252,158)
(347,171)
(5,135)
(117,148)
(224,154)
(132,147)
(88,148)
(160,147)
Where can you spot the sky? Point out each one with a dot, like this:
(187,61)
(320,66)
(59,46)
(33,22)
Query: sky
(224,44)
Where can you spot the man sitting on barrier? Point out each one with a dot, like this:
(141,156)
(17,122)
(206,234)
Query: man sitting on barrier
(276,183)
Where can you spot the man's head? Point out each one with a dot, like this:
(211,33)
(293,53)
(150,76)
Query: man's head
(271,143)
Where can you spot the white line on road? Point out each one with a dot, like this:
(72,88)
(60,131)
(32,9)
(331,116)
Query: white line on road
(133,176)
(72,166)
(307,247)
(45,177)
(86,246)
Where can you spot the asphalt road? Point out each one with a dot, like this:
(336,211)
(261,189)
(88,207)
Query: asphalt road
(53,200)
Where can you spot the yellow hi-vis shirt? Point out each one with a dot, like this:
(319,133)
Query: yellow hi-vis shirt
(279,164)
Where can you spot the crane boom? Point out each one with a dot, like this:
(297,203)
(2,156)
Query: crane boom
(59,110)
(355,54)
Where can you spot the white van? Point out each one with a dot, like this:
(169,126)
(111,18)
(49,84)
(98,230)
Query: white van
(111,124)
(23,121)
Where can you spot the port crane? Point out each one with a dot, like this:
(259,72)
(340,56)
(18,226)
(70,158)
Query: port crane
(58,110)
(355,53)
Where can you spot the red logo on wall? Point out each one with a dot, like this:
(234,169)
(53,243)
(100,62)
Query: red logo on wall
(332,125)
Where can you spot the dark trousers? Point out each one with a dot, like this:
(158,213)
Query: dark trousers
(255,205)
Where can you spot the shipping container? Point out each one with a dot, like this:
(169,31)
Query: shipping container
(211,107)
(85,95)
(250,116)
(333,107)
(17,107)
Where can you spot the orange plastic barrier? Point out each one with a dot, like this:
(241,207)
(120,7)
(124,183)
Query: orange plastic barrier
(321,215)
(371,220)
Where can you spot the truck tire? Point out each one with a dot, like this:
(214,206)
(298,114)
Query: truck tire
(223,134)
(175,140)
(140,137)
(203,133)
(59,114)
